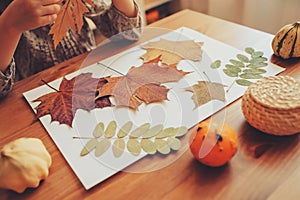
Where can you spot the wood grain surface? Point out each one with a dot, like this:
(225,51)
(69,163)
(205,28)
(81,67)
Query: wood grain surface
(265,167)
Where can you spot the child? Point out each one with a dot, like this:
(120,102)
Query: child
(27,48)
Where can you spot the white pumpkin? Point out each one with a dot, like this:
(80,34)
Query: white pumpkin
(23,164)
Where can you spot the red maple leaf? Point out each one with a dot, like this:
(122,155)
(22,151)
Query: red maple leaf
(74,94)
(141,84)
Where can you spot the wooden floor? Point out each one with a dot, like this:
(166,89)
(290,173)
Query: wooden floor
(265,15)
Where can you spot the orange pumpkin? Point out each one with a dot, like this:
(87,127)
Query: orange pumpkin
(214,144)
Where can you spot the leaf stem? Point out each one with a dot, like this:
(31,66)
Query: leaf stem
(78,137)
(50,86)
(99,63)
(206,76)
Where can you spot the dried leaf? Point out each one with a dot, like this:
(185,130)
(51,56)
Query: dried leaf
(254,71)
(250,76)
(168,132)
(134,146)
(181,131)
(162,146)
(249,50)
(141,84)
(140,130)
(118,147)
(233,68)
(257,54)
(70,17)
(174,143)
(148,146)
(172,52)
(216,64)
(102,147)
(242,58)
(74,94)
(231,73)
(99,130)
(125,129)
(90,146)
(243,82)
(111,129)
(153,131)
(237,63)
(206,91)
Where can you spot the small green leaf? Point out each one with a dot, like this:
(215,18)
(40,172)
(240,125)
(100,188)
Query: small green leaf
(134,146)
(237,63)
(111,129)
(153,131)
(90,146)
(258,60)
(230,73)
(249,50)
(243,82)
(148,146)
(102,147)
(257,54)
(125,129)
(216,64)
(140,130)
(242,58)
(162,146)
(233,68)
(174,143)
(254,71)
(118,147)
(257,65)
(99,130)
(250,76)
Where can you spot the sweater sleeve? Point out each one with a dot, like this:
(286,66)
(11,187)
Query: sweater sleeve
(7,79)
(111,22)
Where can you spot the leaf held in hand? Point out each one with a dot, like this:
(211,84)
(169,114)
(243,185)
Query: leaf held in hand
(70,17)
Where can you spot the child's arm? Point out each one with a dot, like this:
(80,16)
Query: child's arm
(126,6)
(122,16)
(20,16)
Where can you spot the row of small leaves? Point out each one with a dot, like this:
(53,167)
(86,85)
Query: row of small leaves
(245,68)
(149,139)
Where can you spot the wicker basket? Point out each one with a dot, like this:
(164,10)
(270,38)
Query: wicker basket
(272,105)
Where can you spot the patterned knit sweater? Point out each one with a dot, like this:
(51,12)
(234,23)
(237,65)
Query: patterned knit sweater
(35,50)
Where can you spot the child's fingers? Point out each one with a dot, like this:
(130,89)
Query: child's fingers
(50,9)
(48,19)
(49,2)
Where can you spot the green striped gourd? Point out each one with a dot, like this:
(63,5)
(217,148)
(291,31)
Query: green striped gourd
(286,42)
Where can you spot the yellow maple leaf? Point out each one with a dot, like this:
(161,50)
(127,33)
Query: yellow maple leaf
(172,52)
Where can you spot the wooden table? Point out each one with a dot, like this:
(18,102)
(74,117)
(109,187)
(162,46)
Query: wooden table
(265,167)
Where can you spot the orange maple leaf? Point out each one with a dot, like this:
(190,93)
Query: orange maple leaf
(74,94)
(141,84)
(69,17)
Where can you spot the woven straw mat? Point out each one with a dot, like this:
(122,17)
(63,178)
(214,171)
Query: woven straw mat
(272,105)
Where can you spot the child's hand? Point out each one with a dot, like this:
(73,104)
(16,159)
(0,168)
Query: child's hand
(23,15)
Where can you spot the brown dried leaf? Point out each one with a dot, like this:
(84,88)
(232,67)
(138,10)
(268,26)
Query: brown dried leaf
(74,94)
(69,17)
(205,91)
(172,52)
(141,84)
